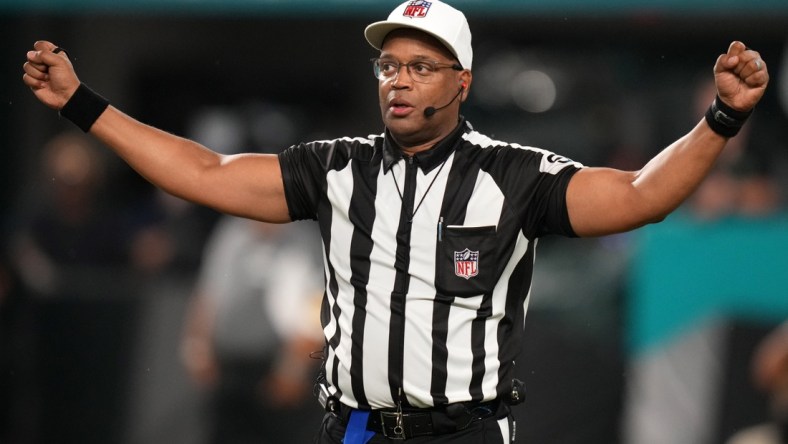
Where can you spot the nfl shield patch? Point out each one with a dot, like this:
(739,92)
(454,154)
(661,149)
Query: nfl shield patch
(418,8)
(466,263)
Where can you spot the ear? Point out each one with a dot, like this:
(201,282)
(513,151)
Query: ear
(466,77)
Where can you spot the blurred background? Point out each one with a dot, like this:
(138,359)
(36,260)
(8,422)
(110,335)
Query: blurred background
(129,316)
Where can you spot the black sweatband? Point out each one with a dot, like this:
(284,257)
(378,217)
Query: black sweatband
(84,107)
(725,120)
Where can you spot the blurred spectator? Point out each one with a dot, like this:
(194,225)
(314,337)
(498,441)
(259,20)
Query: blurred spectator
(253,321)
(68,259)
(770,375)
(71,224)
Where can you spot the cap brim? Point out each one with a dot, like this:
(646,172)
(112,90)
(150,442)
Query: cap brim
(376,33)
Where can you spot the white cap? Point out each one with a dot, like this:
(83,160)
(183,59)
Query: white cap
(434,17)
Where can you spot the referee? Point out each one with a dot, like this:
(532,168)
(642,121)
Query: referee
(429,229)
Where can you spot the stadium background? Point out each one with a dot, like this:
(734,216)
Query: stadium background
(605,83)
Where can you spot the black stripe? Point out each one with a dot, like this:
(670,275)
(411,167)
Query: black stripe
(440,353)
(477,347)
(459,188)
(362,217)
(510,329)
(401,282)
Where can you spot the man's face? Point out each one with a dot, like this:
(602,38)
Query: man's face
(403,100)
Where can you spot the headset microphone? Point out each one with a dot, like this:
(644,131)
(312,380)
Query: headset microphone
(430,110)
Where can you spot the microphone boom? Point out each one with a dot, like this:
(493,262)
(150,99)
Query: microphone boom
(431,110)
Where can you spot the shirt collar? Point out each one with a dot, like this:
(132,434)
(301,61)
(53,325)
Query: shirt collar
(427,160)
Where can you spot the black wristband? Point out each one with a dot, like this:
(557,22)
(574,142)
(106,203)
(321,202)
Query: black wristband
(724,120)
(84,107)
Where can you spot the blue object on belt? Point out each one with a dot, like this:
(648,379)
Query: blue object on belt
(356,431)
(415,422)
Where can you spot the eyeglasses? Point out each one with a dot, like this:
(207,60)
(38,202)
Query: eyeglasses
(421,71)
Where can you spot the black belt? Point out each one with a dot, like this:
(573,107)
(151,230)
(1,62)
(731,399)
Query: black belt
(411,423)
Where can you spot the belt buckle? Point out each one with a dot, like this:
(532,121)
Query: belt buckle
(397,431)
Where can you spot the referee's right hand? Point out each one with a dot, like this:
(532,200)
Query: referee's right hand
(50,74)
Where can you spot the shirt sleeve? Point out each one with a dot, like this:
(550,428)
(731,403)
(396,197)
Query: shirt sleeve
(556,215)
(303,175)
(305,167)
(536,182)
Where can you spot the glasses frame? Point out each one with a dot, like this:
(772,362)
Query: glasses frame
(436,65)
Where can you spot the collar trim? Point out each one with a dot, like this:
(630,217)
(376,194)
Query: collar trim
(428,159)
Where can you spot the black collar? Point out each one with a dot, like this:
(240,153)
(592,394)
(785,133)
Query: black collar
(427,160)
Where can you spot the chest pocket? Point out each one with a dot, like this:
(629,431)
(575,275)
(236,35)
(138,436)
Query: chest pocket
(465,263)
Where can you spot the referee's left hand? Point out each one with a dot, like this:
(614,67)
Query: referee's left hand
(741,77)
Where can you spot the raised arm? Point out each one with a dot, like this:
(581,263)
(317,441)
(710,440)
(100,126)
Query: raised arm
(603,201)
(246,185)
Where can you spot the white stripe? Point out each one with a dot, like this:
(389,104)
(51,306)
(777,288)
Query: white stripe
(460,361)
(503,425)
(485,204)
(381,281)
(331,326)
(369,140)
(491,345)
(417,363)
(484,209)
(551,163)
(528,296)
(340,186)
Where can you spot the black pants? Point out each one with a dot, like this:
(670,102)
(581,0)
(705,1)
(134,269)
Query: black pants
(481,431)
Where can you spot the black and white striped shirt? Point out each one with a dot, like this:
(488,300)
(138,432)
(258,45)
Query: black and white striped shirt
(428,260)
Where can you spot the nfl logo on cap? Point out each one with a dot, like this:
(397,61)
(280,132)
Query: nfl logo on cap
(417,8)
